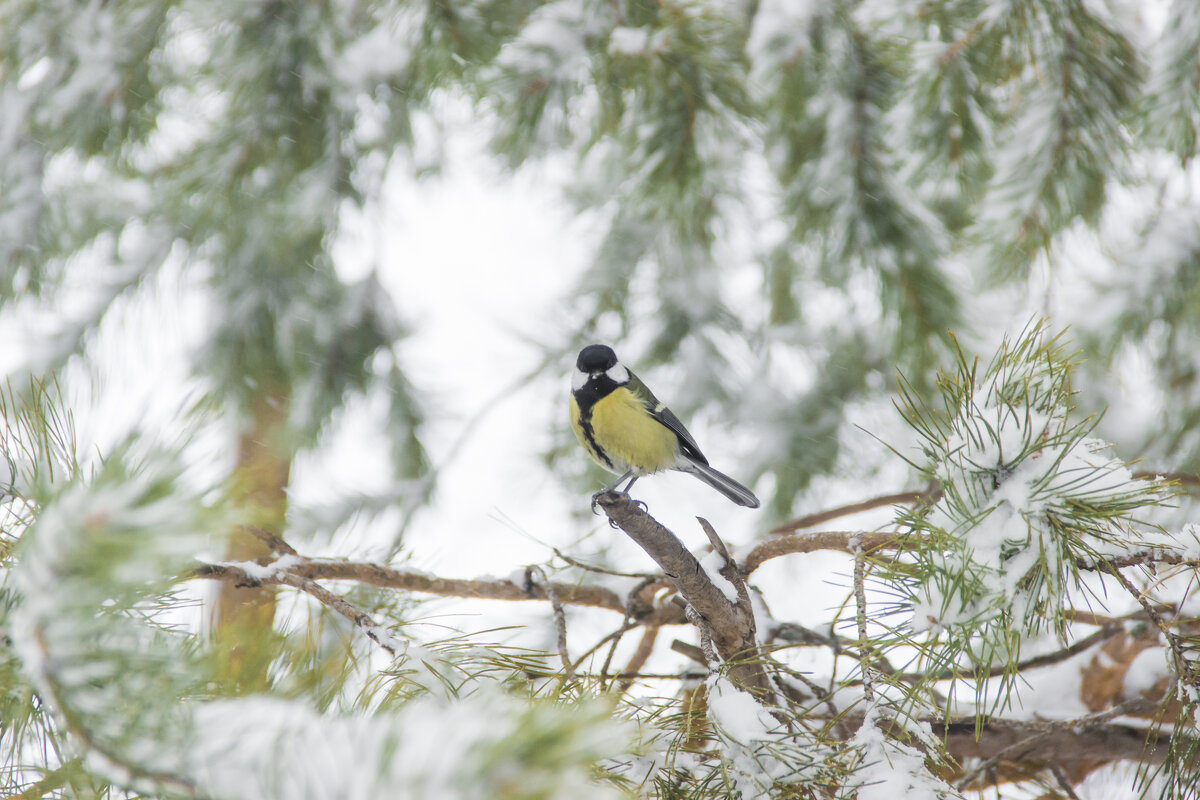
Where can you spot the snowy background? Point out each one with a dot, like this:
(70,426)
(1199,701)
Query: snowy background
(482,264)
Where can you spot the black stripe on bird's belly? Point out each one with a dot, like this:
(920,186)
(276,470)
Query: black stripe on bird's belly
(586,397)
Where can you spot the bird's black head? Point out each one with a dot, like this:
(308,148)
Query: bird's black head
(596,358)
(597,372)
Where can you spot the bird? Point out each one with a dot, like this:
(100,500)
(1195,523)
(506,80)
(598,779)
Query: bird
(629,432)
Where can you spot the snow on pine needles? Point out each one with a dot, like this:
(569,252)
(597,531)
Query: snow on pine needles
(1026,499)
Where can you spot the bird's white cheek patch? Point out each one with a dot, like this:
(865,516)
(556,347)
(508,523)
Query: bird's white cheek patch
(618,373)
(578,379)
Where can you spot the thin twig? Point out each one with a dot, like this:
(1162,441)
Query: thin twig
(275,542)
(1064,783)
(627,623)
(640,656)
(688,650)
(50,781)
(335,602)
(1183,667)
(619,632)
(560,617)
(860,602)
(575,562)
(1102,635)
(821,517)
(1154,556)
(706,643)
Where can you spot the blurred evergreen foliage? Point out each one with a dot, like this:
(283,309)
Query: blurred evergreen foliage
(915,155)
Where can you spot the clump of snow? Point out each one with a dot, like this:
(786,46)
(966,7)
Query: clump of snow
(629,41)
(932,612)
(554,42)
(1026,495)
(1189,541)
(382,52)
(889,769)
(780,30)
(712,564)
(266,748)
(1147,668)
(260,572)
(737,713)
(746,736)
(394,644)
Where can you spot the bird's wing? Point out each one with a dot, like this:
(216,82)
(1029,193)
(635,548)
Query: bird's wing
(664,415)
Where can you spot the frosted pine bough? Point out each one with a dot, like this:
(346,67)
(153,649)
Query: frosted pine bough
(1028,498)
(136,699)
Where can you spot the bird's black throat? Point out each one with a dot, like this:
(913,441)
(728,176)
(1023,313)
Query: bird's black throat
(596,388)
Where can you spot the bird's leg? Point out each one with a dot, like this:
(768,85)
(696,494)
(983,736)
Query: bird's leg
(629,486)
(628,474)
(608,489)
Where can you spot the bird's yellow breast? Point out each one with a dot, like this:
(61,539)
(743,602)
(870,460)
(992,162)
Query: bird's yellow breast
(623,429)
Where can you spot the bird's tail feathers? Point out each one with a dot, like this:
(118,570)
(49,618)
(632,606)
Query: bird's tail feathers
(722,483)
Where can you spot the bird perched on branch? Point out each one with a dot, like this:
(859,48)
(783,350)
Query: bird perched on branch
(626,430)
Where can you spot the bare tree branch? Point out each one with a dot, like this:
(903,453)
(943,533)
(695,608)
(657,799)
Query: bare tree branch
(729,627)
(1064,782)
(731,623)
(638,606)
(1096,637)
(1155,556)
(1010,748)
(574,562)
(822,540)
(821,517)
(391,578)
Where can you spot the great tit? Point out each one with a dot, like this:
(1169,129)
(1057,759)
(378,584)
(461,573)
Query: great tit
(626,430)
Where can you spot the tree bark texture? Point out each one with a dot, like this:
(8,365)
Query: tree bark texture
(244,616)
